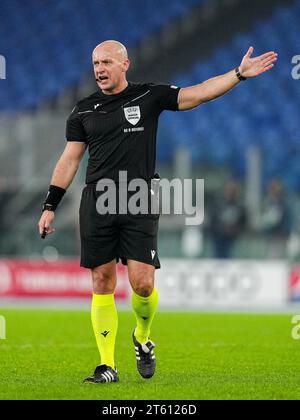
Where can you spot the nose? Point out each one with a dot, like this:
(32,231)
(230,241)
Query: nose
(99,68)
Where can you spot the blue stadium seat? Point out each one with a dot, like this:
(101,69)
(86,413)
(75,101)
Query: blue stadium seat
(262,112)
(71,28)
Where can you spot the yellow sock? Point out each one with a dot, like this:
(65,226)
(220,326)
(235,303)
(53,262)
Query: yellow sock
(144,309)
(105,325)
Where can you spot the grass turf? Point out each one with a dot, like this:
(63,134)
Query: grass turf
(200,356)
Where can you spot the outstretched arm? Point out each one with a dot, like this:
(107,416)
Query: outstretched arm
(191,97)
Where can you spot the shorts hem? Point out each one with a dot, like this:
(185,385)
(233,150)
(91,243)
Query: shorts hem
(124,259)
(94,264)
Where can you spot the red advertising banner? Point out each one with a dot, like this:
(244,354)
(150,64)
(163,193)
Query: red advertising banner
(64,278)
(295,284)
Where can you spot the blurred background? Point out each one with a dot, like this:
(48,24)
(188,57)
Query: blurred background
(245,145)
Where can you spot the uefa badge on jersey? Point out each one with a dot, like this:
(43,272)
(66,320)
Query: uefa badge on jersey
(132,114)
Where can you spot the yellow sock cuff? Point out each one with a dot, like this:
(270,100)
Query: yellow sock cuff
(146,299)
(103,300)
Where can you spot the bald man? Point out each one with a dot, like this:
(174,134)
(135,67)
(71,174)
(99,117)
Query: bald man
(118,125)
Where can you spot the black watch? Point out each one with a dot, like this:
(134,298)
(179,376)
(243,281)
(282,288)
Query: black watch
(239,76)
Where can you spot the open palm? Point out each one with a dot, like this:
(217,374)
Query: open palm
(252,67)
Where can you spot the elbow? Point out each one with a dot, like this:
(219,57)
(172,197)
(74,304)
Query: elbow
(187,106)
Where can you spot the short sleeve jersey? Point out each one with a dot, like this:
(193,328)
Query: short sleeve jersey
(120,130)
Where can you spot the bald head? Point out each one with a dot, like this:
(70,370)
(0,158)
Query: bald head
(110,61)
(113,48)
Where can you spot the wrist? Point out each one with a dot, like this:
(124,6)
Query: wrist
(53,198)
(239,74)
(47,207)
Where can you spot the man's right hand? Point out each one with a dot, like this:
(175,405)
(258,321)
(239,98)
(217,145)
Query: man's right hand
(45,222)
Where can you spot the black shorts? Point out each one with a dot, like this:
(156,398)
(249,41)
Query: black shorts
(115,236)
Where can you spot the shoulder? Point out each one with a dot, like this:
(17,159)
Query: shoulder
(158,90)
(139,88)
(85,103)
(161,90)
(151,85)
(138,85)
(161,86)
(154,87)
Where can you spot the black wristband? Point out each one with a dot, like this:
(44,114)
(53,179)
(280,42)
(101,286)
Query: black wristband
(53,198)
(238,75)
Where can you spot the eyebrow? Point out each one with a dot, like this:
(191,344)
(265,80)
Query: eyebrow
(108,60)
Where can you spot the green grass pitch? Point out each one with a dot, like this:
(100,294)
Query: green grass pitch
(199,356)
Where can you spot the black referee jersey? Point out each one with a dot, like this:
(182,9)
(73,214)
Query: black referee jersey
(120,129)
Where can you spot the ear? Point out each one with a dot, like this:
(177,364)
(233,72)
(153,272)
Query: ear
(126,65)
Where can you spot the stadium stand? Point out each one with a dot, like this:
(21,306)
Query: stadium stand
(220,132)
(43,57)
(45,60)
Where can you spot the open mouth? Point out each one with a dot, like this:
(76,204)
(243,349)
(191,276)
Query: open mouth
(102,78)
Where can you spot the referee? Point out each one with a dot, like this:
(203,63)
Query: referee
(118,125)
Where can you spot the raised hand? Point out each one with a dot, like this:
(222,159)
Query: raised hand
(252,67)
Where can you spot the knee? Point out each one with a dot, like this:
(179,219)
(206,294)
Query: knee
(103,281)
(143,285)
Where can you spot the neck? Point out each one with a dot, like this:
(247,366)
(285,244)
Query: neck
(122,86)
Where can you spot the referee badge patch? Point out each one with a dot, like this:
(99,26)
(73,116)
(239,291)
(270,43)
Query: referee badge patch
(132,114)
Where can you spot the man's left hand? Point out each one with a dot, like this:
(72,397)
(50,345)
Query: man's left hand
(252,67)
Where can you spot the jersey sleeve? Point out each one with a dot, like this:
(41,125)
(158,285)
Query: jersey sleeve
(74,128)
(166,97)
